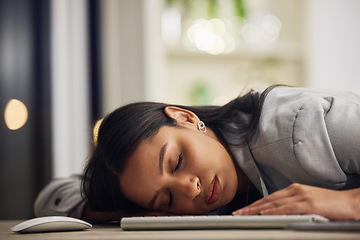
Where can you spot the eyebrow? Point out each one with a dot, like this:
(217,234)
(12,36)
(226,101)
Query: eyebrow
(161,158)
(161,168)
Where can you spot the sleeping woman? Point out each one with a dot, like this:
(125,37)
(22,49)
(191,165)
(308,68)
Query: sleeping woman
(283,151)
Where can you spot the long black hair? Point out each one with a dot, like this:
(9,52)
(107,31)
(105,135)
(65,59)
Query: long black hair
(124,129)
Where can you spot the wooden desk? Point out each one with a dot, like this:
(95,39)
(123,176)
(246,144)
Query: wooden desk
(104,232)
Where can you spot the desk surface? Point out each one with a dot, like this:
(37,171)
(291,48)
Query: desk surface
(114,232)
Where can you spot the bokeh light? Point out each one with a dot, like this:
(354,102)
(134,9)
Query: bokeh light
(218,35)
(15,114)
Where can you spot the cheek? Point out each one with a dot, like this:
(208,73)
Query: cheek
(134,190)
(200,149)
(206,159)
(211,153)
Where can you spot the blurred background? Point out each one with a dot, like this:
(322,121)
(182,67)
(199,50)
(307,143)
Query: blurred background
(64,64)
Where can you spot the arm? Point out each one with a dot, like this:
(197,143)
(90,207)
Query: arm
(61,197)
(302,199)
(327,156)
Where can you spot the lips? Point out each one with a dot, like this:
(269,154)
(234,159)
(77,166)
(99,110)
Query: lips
(214,192)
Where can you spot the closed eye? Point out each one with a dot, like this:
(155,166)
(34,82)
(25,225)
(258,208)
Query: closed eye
(179,162)
(170,200)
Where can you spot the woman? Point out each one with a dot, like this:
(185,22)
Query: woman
(286,151)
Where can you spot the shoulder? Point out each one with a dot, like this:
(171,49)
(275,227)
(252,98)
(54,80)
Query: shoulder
(292,112)
(285,105)
(294,94)
(293,135)
(287,108)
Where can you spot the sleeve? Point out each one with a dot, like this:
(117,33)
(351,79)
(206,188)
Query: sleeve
(343,126)
(327,138)
(311,137)
(311,142)
(61,197)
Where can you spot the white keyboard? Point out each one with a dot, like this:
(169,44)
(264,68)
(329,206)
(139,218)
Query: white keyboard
(215,222)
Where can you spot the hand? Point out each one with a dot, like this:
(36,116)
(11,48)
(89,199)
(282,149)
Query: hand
(303,199)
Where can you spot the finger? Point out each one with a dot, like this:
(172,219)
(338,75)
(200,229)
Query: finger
(256,207)
(269,203)
(286,209)
(274,197)
(284,193)
(271,209)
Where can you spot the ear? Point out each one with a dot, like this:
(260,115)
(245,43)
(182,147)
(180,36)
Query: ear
(182,116)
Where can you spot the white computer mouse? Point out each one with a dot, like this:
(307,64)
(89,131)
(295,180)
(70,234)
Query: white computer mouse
(51,224)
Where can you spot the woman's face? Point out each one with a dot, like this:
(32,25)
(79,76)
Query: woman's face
(180,170)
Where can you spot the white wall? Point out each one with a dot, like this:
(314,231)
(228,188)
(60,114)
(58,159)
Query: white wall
(132,52)
(70,91)
(332,43)
(131,68)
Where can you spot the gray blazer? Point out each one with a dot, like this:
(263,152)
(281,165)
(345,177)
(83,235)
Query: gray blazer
(307,136)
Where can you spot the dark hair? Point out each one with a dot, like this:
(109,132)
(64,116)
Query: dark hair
(124,129)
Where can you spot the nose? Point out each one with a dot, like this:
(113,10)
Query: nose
(188,186)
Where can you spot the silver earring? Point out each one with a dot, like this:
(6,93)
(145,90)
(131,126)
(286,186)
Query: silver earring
(201,127)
